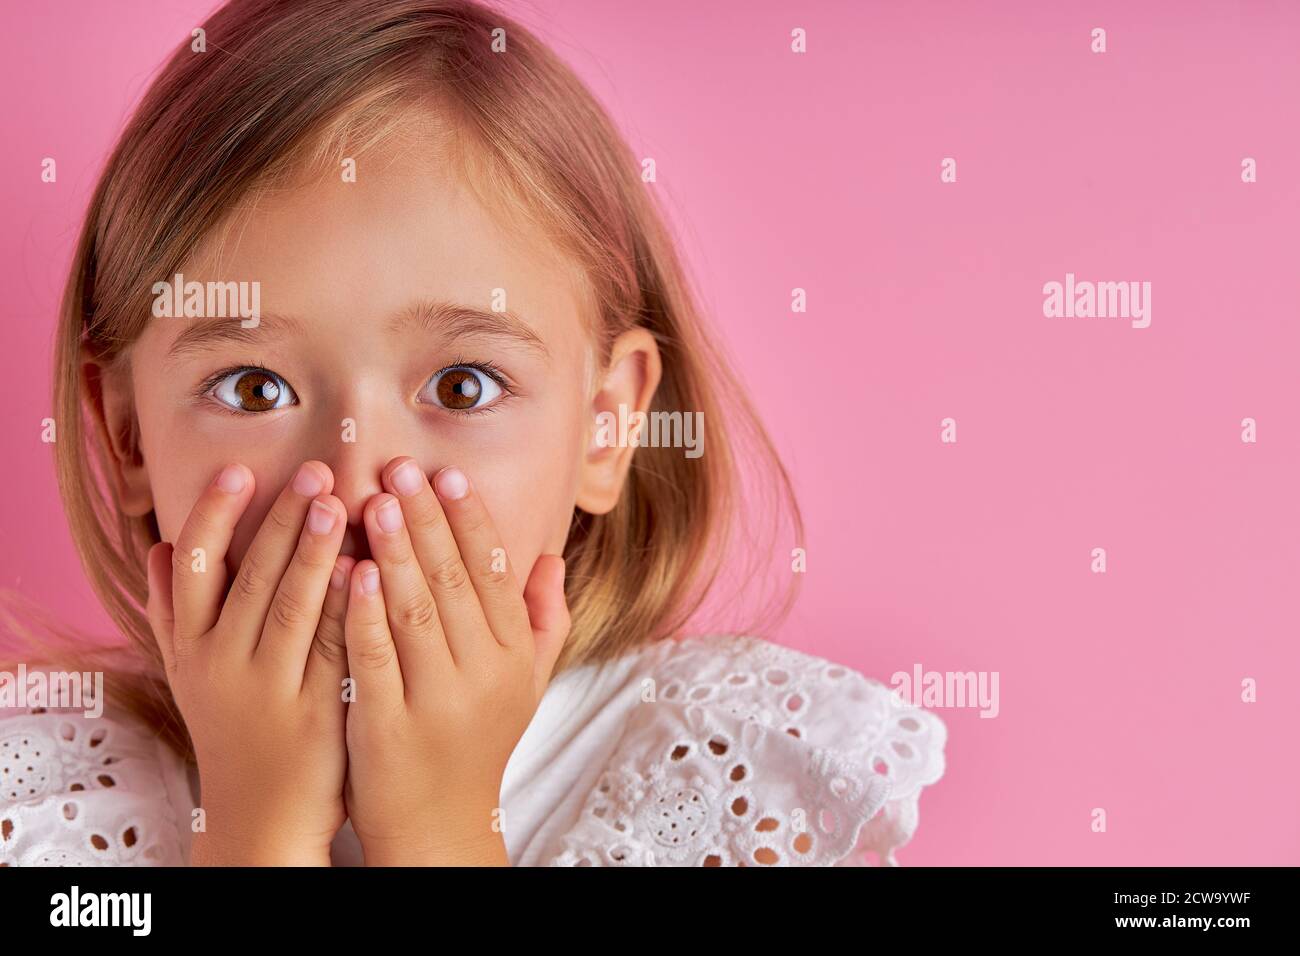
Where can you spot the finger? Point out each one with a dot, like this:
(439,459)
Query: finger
(484,558)
(372,655)
(159,606)
(548,613)
(327,664)
(268,557)
(199,557)
(445,575)
(295,610)
(413,617)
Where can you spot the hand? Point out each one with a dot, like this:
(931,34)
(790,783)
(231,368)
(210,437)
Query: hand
(449,662)
(258,676)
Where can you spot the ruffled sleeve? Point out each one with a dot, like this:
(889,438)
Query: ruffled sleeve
(78,790)
(741,752)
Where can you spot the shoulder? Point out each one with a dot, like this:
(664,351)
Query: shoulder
(81,786)
(744,752)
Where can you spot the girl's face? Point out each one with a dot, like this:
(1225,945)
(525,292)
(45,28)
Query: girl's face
(378,337)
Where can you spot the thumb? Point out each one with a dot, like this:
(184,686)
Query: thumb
(548,613)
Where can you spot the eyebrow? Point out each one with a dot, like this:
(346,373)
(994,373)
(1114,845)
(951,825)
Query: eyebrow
(454,321)
(202,334)
(447,319)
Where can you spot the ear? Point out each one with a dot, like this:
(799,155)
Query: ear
(631,379)
(110,398)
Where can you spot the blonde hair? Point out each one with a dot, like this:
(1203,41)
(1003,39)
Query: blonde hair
(278,80)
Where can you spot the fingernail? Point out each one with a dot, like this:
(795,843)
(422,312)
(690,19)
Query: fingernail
(370,580)
(231,480)
(308,482)
(389,516)
(451,483)
(338,578)
(407,478)
(320,518)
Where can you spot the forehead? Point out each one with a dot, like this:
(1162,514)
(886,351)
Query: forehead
(407,226)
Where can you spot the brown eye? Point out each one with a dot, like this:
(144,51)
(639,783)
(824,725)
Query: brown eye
(462,389)
(459,388)
(254,390)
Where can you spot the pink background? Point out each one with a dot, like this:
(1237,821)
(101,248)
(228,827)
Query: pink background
(821,171)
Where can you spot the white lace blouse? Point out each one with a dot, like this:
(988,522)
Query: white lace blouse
(708,751)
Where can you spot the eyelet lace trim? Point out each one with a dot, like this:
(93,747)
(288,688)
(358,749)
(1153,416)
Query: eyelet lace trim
(754,754)
(80,791)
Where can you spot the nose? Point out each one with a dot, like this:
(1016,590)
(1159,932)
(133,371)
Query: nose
(357,469)
(356,479)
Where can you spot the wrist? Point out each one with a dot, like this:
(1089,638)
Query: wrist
(235,834)
(209,849)
(471,844)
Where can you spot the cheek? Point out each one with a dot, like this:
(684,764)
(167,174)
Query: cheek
(187,473)
(530,495)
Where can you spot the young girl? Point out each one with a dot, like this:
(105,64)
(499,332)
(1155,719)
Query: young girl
(392,594)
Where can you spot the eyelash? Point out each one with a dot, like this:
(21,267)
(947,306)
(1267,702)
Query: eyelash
(490,369)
